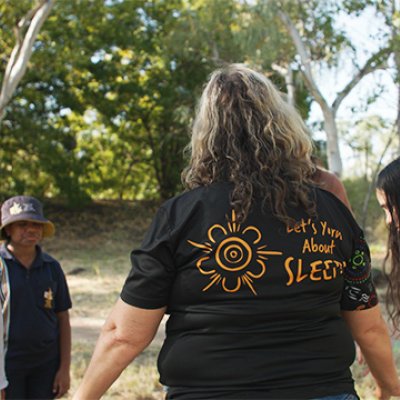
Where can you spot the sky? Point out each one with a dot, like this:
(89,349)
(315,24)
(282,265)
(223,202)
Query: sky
(365,34)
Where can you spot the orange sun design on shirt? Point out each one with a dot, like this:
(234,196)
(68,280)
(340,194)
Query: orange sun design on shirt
(234,260)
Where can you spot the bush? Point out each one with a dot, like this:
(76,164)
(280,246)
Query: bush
(357,189)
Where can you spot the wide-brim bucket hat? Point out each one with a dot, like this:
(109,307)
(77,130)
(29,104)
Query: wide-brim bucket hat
(24,208)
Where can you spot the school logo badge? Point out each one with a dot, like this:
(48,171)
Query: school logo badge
(48,298)
(18,208)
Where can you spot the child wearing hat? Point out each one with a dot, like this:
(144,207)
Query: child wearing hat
(35,306)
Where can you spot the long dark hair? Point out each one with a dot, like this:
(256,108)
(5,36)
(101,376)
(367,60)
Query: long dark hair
(245,133)
(389,184)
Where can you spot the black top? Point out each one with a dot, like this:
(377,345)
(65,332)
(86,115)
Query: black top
(254,307)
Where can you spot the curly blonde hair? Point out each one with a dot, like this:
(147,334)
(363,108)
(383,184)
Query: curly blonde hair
(245,133)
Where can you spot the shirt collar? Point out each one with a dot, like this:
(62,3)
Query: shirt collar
(5,253)
(38,261)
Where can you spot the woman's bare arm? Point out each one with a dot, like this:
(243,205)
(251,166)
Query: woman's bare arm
(126,333)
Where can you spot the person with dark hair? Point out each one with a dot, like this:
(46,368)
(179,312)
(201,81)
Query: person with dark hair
(264,276)
(35,304)
(388,195)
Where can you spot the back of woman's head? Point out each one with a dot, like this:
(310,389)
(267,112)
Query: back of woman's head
(388,183)
(245,133)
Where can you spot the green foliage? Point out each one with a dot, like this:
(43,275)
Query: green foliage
(317,23)
(267,42)
(320,152)
(105,108)
(356,189)
(10,13)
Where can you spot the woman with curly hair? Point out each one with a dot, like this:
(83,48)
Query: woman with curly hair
(264,277)
(388,195)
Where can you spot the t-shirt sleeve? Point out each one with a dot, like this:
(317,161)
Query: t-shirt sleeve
(150,279)
(62,298)
(358,291)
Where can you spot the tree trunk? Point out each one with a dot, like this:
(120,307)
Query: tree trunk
(21,53)
(334,158)
(391,21)
(375,62)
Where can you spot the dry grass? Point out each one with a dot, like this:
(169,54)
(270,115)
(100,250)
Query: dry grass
(139,381)
(96,243)
(98,240)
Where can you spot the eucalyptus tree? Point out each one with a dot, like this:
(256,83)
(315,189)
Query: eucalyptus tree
(388,11)
(25,31)
(20,23)
(265,44)
(324,23)
(307,36)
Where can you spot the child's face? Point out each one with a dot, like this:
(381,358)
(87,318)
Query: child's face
(24,233)
(380,195)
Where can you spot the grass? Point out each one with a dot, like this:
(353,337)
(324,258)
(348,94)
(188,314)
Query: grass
(98,241)
(93,295)
(139,381)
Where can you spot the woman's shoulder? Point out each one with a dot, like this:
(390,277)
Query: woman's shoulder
(330,182)
(208,194)
(198,204)
(330,206)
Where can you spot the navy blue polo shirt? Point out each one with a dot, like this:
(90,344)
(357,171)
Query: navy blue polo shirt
(37,294)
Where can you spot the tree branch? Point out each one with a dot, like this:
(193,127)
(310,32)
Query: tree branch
(375,62)
(22,51)
(305,57)
(26,20)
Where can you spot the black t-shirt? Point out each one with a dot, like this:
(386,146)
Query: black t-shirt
(254,307)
